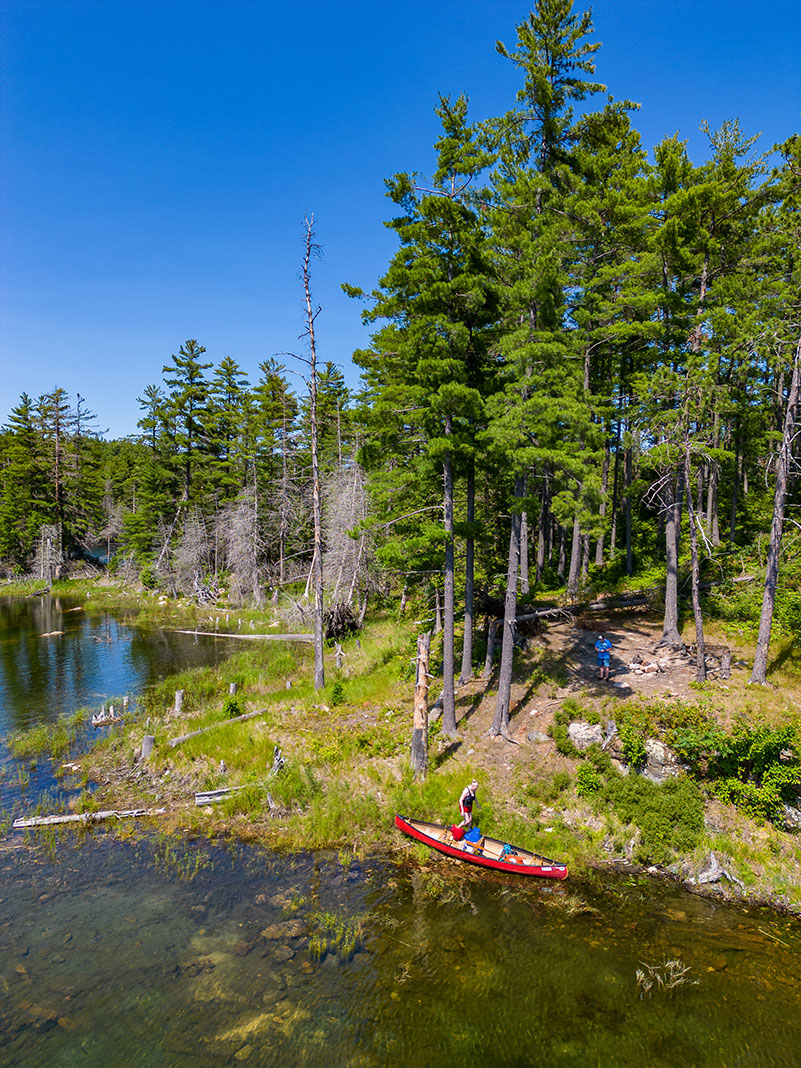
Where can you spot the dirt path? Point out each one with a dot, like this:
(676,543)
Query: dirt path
(557,664)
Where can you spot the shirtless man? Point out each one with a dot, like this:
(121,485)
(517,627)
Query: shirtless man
(466,802)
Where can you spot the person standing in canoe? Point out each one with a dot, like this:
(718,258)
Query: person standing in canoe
(466,802)
(602,648)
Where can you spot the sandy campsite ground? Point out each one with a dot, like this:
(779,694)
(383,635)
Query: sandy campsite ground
(565,652)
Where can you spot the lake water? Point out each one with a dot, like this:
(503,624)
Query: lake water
(115,953)
(57,655)
(153,952)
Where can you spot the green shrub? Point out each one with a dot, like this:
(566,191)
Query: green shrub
(599,758)
(588,781)
(670,817)
(564,743)
(149,578)
(337,694)
(233,706)
(634,753)
(573,709)
(754,767)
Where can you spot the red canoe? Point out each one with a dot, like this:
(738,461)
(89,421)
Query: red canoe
(487,852)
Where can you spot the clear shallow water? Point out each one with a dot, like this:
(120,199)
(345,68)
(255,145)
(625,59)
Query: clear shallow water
(109,957)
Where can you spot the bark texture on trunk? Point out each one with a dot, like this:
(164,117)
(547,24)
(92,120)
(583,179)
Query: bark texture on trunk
(672,508)
(501,719)
(700,659)
(783,462)
(448,693)
(466,672)
(419,752)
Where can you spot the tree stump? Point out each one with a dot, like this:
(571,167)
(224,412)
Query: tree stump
(419,752)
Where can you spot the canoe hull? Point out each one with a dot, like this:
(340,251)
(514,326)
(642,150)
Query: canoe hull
(531,864)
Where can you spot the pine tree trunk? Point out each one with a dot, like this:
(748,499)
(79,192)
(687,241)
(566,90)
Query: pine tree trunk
(419,752)
(735,493)
(700,659)
(448,695)
(670,626)
(759,673)
(524,579)
(575,562)
(501,719)
(317,562)
(599,545)
(629,476)
(712,521)
(469,580)
(543,528)
(560,569)
(492,627)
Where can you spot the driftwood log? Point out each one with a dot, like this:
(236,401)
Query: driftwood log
(86,817)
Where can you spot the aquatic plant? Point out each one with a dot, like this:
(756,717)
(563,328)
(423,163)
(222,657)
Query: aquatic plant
(571,904)
(665,977)
(446,888)
(335,934)
(174,857)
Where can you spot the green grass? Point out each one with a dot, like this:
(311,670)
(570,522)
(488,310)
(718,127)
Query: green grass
(48,739)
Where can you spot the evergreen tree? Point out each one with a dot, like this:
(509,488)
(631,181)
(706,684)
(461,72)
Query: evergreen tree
(441,302)
(538,419)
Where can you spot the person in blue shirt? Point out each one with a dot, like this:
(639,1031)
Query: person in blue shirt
(602,648)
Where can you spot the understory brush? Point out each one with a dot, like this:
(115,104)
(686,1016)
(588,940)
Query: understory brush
(669,816)
(753,766)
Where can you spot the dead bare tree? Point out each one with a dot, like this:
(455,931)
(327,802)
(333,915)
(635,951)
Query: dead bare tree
(317,566)
(238,529)
(192,555)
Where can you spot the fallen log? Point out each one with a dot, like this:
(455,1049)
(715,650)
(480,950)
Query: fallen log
(221,723)
(248,637)
(86,817)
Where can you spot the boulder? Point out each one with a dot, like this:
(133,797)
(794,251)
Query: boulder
(792,817)
(583,735)
(661,763)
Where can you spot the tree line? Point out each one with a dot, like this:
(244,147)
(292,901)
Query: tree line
(584,365)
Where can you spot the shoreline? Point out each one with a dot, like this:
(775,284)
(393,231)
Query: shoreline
(347,770)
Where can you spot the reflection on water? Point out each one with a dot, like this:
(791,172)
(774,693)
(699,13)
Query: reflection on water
(109,957)
(57,655)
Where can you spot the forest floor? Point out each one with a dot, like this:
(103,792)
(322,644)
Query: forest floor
(565,654)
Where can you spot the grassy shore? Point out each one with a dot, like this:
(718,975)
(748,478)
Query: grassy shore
(346,770)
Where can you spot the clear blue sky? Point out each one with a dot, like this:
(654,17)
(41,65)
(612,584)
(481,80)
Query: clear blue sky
(158,158)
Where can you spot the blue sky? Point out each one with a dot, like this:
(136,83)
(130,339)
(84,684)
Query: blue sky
(159,157)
